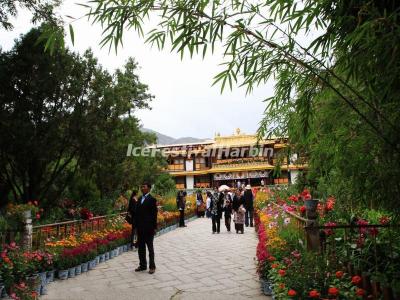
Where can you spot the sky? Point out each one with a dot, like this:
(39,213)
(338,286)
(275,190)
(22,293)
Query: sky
(185,102)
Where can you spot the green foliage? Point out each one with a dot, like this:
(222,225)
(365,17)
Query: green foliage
(164,185)
(336,92)
(66,124)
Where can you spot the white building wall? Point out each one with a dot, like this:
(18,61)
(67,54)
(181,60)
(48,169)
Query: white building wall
(190,182)
(189,165)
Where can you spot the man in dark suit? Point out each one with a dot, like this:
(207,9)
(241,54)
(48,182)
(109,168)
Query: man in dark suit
(146,227)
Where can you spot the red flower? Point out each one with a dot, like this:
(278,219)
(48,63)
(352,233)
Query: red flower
(330,203)
(305,194)
(314,294)
(292,293)
(37,216)
(360,292)
(36,203)
(373,231)
(356,280)
(302,209)
(329,231)
(271,258)
(362,223)
(274,266)
(282,272)
(333,291)
(339,274)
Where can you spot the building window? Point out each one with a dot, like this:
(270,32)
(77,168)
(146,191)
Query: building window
(177,164)
(202,181)
(201,163)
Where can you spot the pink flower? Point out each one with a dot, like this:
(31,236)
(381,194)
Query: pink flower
(296,254)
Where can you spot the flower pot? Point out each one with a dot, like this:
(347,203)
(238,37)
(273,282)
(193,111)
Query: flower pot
(107,256)
(266,287)
(50,276)
(62,274)
(97,260)
(92,264)
(84,267)
(43,290)
(78,270)
(4,293)
(125,248)
(71,272)
(43,278)
(102,258)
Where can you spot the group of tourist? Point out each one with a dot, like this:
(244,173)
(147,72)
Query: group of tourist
(142,214)
(238,203)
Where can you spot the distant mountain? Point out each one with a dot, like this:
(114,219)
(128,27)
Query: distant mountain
(163,139)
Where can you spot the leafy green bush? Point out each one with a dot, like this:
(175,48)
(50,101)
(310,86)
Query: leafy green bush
(164,185)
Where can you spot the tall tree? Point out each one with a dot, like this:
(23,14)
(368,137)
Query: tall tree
(63,115)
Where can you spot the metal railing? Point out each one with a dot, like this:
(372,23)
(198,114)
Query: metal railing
(367,250)
(41,233)
(8,237)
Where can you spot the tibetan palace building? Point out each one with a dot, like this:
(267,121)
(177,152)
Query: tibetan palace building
(231,160)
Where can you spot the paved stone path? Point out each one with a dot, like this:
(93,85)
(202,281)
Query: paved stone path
(191,263)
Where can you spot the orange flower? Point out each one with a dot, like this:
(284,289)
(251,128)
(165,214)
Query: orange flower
(282,272)
(360,292)
(292,293)
(333,291)
(282,286)
(339,274)
(356,280)
(314,294)
(274,266)
(7,260)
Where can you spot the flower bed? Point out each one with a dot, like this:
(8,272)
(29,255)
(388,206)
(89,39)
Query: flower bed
(352,264)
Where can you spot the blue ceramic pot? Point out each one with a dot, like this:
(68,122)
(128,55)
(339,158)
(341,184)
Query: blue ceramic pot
(62,274)
(71,272)
(84,267)
(78,270)
(50,276)
(107,256)
(92,264)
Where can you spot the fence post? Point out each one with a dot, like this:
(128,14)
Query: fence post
(312,235)
(27,236)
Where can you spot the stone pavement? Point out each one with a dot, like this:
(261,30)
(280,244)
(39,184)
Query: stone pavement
(191,263)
